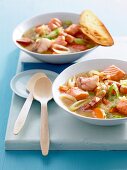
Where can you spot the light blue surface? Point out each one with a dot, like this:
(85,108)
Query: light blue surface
(66,132)
(114,15)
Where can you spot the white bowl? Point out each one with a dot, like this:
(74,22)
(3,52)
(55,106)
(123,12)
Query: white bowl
(44,18)
(85,67)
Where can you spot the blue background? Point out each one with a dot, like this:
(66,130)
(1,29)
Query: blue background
(113,13)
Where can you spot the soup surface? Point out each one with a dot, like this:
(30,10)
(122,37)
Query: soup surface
(97,94)
(56,37)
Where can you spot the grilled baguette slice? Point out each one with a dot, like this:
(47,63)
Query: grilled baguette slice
(95,29)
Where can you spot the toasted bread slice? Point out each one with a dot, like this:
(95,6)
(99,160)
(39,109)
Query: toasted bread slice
(95,29)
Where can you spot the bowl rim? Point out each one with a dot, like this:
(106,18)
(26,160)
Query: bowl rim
(74,113)
(34,53)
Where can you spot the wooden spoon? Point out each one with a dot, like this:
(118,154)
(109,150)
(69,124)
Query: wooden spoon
(26,107)
(43,93)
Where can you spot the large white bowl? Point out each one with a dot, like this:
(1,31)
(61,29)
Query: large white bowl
(44,18)
(85,67)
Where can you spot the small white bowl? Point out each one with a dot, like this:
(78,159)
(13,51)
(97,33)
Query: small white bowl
(97,64)
(44,18)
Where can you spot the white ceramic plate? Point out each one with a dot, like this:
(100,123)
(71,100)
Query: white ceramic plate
(85,67)
(19,82)
(44,18)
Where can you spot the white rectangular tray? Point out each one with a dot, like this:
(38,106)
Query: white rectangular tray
(66,132)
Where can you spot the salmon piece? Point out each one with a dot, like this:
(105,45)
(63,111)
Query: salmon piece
(89,83)
(69,38)
(123,89)
(42,30)
(24,41)
(78,93)
(122,107)
(72,29)
(60,40)
(54,23)
(114,73)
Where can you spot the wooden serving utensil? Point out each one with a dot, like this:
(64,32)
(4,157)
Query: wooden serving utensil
(43,93)
(26,107)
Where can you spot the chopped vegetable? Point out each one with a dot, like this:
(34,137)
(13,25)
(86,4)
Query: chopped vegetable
(115,88)
(94,72)
(71,82)
(78,104)
(67,96)
(122,98)
(123,82)
(53,34)
(99,113)
(63,88)
(117,116)
(90,46)
(79,41)
(67,23)
(91,93)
